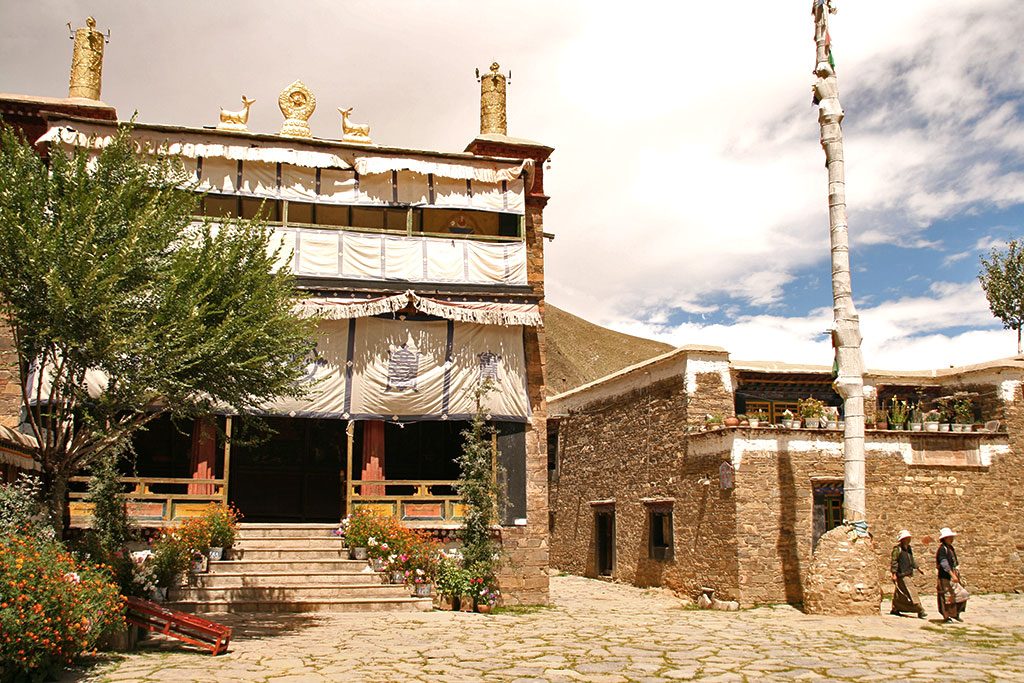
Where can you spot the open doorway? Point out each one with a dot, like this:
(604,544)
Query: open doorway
(604,534)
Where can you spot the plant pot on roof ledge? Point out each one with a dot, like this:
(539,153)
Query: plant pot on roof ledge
(731,422)
(811,411)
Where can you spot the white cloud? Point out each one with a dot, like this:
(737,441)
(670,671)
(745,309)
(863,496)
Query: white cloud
(911,333)
(718,186)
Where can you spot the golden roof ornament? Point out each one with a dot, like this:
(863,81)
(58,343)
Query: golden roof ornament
(358,133)
(297,104)
(236,120)
(493,119)
(87,61)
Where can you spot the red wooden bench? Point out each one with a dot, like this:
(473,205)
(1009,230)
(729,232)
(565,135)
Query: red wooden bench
(188,628)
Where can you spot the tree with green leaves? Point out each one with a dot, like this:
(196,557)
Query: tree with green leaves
(478,487)
(123,305)
(1002,278)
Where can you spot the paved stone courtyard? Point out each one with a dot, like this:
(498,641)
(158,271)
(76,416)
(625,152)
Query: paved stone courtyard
(598,632)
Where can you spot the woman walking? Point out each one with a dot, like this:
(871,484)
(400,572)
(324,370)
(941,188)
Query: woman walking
(952,594)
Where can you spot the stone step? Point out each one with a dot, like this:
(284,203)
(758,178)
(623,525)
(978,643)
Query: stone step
(291,578)
(409,604)
(265,565)
(289,542)
(250,530)
(293,593)
(293,554)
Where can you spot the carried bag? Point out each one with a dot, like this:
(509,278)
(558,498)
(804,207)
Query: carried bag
(960,594)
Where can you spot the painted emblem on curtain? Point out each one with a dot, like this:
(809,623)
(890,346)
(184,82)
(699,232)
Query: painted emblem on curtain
(403,364)
(488,366)
(312,362)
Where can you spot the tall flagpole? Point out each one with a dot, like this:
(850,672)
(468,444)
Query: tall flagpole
(849,383)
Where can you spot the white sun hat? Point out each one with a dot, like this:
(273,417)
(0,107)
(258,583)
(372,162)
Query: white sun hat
(946,532)
(904,534)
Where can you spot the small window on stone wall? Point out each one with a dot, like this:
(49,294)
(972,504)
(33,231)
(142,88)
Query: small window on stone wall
(828,508)
(660,524)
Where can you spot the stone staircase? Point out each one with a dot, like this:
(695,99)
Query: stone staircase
(292,568)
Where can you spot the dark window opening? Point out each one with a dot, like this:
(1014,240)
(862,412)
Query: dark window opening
(660,525)
(828,508)
(508,224)
(552,446)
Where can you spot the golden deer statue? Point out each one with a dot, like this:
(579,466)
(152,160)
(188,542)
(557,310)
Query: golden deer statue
(236,120)
(354,132)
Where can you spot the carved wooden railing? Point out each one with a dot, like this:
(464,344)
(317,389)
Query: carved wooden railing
(152,507)
(410,500)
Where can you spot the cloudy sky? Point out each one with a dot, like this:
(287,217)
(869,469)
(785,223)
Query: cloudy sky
(688,188)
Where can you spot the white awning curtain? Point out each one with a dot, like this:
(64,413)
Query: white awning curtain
(492,186)
(152,142)
(483,171)
(396,370)
(369,256)
(477,312)
(12,449)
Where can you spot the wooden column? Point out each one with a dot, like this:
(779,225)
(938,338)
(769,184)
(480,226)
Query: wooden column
(227,455)
(350,433)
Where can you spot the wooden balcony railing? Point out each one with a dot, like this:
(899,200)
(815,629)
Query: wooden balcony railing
(434,501)
(170,502)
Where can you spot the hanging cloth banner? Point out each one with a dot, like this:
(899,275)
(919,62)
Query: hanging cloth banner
(402,371)
(476,312)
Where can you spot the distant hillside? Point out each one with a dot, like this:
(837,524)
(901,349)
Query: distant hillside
(579,352)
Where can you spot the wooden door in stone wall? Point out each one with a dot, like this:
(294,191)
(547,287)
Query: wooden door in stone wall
(604,535)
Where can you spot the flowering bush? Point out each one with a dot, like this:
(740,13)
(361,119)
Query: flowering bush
(483,591)
(170,558)
(360,526)
(52,607)
(451,580)
(194,534)
(21,507)
(223,522)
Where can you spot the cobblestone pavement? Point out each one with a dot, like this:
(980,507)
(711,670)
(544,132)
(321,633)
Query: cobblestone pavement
(598,632)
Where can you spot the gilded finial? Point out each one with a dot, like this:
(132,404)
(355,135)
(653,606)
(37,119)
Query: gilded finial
(493,118)
(297,104)
(87,62)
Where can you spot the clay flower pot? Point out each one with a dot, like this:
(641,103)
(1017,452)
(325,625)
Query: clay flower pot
(731,422)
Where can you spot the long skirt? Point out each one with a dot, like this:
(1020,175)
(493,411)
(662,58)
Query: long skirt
(948,607)
(905,597)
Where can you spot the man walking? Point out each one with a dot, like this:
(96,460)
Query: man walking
(902,568)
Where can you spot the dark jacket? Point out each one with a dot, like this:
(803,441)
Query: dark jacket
(903,563)
(945,560)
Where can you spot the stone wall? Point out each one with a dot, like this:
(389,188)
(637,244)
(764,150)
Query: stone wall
(775,507)
(633,449)
(10,390)
(754,544)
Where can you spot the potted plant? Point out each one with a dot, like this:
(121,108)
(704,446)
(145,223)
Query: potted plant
(931,421)
(756,418)
(712,421)
(811,411)
(733,421)
(359,528)
(831,417)
(963,413)
(484,593)
(222,521)
(787,419)
(916,418)
(451,580)
(170,562)
(899,411)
